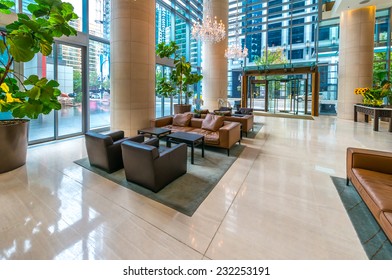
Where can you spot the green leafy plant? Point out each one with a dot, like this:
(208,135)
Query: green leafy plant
(21,41)
(181,76)
(374,96)
(275,56)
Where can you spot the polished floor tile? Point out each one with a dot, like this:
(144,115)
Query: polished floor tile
(277,201)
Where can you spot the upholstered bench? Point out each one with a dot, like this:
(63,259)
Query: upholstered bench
(370,172)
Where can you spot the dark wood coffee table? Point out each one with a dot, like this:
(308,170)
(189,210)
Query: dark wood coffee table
(191,139)
(154,131)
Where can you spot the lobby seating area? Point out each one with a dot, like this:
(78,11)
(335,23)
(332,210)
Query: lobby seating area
(87,193)
(64,211)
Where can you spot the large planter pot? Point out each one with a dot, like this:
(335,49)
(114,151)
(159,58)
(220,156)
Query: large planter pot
(13,144)
(182,108)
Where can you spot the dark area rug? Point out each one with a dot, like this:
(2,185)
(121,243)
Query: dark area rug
(377,246)
(186,193)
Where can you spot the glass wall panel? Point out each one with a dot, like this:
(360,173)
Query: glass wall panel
(173,23)
(276,32)
(77,4)
(69,75)
(25,3)
(99,84)
(78,9)
(99,18)
(159,101)
(180,35)
(43,127)
(381,31)
(163,24)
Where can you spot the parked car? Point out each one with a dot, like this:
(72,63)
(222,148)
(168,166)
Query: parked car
(301,97)
(94,95)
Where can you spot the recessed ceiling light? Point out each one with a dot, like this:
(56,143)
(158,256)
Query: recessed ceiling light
(364,1)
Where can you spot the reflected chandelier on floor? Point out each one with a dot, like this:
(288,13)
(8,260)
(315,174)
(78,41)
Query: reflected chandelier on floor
(209,30)
(235,51)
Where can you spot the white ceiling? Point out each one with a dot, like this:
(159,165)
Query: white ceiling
(342,5)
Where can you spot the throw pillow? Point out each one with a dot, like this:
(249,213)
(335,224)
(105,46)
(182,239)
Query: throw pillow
(212,122)
(182,119)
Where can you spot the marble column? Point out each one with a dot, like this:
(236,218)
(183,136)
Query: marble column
(214,62)
(132,65)
(356,46)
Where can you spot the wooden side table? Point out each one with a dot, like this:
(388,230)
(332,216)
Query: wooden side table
(375,112)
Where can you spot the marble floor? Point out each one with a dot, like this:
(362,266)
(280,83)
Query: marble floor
(277,201)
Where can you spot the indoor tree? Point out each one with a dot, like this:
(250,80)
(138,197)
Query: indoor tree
(28,96)
(181,76)
(20,42)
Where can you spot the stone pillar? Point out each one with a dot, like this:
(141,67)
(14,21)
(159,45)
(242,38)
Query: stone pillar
(214,62)
(356,46)
(132,65)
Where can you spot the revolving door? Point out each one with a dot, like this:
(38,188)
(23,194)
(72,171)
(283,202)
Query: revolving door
(287,95)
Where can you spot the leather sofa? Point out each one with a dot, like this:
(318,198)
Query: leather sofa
(225,136)
(370,172)
(104,150)
(146,166)
(244,116)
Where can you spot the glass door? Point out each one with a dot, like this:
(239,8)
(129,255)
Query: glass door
(257,94)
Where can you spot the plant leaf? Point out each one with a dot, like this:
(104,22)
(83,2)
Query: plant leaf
(20,46)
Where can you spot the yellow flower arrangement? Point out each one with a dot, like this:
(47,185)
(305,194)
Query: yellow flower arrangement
(374,96)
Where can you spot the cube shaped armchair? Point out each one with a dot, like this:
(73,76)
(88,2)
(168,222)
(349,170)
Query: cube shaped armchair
(243,112)
(146,166)
(104,150)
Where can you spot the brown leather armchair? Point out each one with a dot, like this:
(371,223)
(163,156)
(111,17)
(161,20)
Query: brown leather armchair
(104,150)
(146,166)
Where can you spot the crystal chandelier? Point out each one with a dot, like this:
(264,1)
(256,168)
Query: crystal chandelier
(235,51)
(209,31)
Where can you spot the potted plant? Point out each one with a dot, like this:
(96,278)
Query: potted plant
(181,77)
(28,96)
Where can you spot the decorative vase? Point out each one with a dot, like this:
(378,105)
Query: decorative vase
(13,143)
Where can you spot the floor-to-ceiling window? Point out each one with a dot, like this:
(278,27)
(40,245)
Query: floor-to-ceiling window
(328,58)
(99,64)
(279,32)
(173,23)
(382,48)
(294,27)
(85,84)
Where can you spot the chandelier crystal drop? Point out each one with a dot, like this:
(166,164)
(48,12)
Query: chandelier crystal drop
(209,31)
(235,51)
